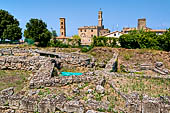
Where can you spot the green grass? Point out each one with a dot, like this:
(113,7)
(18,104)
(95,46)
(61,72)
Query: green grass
(13,78)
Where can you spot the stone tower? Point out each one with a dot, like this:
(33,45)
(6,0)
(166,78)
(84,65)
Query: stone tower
(100,19)
(141,23)
(62,27)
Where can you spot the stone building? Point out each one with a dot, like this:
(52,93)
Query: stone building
(142,26)
(86,33)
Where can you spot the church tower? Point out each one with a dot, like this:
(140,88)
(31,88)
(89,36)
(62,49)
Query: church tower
(62,27)
(100,19)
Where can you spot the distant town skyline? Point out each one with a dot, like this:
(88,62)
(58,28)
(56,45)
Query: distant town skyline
(116,14)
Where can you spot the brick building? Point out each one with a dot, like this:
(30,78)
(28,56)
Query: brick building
(63,36)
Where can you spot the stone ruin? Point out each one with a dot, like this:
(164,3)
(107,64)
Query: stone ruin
(144,104)
(35,60)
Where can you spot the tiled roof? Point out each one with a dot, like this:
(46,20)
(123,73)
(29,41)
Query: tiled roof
(63,37)
(88,27)
(112,33)
(158,30)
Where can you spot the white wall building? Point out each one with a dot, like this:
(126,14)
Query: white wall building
(115,34)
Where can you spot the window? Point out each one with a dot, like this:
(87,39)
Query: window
(61,23)
(92,30)
(91,35)
(114,34)
(80,30)
(62,33)
(85,30)
(62,27)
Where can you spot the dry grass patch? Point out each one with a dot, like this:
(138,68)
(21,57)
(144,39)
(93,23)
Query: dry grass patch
(151,87)
(13,78)
(102,54)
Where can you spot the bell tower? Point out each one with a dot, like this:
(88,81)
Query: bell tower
(100,19)
(62,27)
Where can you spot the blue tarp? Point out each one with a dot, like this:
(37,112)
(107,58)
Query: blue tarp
(70,73)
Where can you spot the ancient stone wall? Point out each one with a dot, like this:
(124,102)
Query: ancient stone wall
(71,59)
(21,62)
(18,103)
(16,52)
(112,64)
(144,104)
(44,66)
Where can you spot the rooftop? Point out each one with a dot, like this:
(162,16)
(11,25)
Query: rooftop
(88,27)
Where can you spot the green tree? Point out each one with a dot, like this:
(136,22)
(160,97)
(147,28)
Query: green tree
(129,41)
(12,32)
(76,40)
(102,41)
(148,40)
(164,41)
(54,33)
(139,39)
(9,26)
(37,30)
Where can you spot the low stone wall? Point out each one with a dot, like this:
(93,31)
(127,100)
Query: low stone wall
(21,62)
(16,52)
(107,73)
(71,59)
(18,103)
(67,59)
(146,104)
(112,64)
(136,103)
(15,103)
(48,81)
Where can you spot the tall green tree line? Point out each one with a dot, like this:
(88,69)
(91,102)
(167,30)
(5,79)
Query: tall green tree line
(142,39)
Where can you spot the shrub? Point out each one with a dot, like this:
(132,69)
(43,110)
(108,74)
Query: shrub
(104,41)
(86,49)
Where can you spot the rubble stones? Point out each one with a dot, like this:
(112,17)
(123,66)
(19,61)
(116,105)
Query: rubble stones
(43,77)
(73,106)
(76,90)
(21,62)
(90,90)
(72,59)
(93,104)
(145,66)
(17,52)
(92,111)
(112,64)
(102,81)
(159,64)
(102,65)
(159,71)
(146,104)
(7,92)
(100,89)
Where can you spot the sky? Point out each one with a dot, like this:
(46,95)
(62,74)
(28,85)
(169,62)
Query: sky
(116,13)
